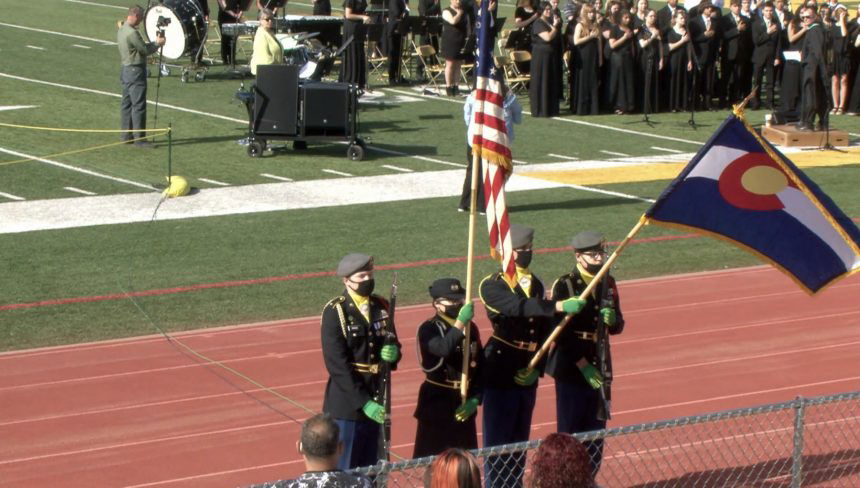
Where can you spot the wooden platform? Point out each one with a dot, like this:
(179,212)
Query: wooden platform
(789,136)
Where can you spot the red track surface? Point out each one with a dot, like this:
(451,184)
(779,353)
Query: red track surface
(143,412)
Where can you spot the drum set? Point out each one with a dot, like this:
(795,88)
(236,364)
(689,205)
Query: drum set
(308,53)
(185,31)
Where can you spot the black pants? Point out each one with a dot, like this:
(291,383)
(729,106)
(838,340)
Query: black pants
(395,51)
(814,98)
(228,43)
(762,69)
(466,196)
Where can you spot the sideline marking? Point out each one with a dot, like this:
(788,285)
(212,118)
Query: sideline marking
(517,161)
(82,2)
(613,153)
(14,26)
(674,151)
(214,182)
(11,196)
(566,158)
(609,192)
(397,168)
(15,107)
(80,46)
(78,190)
(79,170)
(627,131)
(36,47)
(275,177)
(334,172)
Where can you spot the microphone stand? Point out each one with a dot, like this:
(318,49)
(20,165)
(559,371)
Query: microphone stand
(695,96)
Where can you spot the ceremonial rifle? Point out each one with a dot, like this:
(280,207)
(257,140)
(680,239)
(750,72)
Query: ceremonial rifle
(607,299)
(384,445)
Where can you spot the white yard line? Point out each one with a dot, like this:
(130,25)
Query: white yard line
(44,31)
(80,46)
(397,168)
(213,182)
(334,172)
(15,107)
(82,2)
(517,161)
(275,177)
(11,197)
(78,190)
(611,193)
(566,158)
(613,153)
(79,170)
(666,149)
(38,48)
(626,131)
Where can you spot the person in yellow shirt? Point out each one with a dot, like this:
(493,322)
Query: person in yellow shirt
(267,49)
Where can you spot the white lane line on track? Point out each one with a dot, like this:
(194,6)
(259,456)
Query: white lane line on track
(613,153)
(666,149)
(275,177)
(38,48)
(335,172)
(55,33)
(213,182)
(397,168)
(566,158)
(78,190)
(79,170)
(11,196)
(218,473)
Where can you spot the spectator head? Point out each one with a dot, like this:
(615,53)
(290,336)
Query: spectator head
(135,15)
(454,468)
(561,461)
(320,442)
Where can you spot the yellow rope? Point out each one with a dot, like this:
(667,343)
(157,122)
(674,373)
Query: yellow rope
(61,129)
(78,151)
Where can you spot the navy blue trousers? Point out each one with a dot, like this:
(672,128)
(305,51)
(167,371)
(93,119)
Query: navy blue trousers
(507,419)
(360,443)
(576,411)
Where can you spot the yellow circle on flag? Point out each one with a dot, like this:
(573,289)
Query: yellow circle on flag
(764,180)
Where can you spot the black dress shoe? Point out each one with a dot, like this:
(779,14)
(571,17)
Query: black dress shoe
(144,145)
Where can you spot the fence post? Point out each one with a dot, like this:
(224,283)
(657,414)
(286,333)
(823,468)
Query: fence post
(797,453)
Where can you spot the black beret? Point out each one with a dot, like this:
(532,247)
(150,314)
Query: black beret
(521,235)
(447,288)
(587,240)
(353,263)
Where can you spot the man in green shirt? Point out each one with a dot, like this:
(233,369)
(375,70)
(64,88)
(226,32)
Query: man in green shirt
(133,51)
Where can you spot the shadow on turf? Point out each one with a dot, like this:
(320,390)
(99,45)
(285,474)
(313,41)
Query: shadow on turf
(573,204)
(817,468)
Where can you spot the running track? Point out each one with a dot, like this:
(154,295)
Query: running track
(142,412)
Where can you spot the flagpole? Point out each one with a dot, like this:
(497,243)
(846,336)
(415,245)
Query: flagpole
(470,264)
(588,290)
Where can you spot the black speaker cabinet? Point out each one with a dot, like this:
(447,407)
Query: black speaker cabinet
(276,100)
(325,108)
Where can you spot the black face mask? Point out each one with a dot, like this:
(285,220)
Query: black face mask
(365,288)
(453,310)
(524,258)
(593,268)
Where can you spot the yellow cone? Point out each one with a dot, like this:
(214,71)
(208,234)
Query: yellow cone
(177,187)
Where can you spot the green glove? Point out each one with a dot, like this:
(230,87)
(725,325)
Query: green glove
(466,410)
(389,353)
(592,376)
(526,377)
(572,306)
(374,411)
(466,313)
(608,314)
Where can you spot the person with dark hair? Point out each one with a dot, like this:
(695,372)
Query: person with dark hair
(456,28)
(651,61)
(680,63)
(706,44)
(133,52)
(561,461)
(521,318)
(736,57)
(815,96)
(229,12)
(841,63)
(580,365)
(766,36)
(621,47)
(789,94)
(322,7)
(353,68)
(357,338)
(320,446)
(524,16)
(545,68)
(444,420)
(454,468)
(586,56)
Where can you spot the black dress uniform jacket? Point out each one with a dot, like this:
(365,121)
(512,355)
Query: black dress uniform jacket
(440,348)
(351,347)
(570,346)
(517,318)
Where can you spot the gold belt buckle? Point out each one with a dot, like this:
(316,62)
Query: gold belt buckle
(532,346)
(373,368)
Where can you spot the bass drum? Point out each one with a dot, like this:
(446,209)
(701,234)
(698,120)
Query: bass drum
(185,28)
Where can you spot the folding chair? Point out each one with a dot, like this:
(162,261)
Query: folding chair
(520,57)
(433,68)
(514,81)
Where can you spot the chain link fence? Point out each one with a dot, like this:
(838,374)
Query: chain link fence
(805,442)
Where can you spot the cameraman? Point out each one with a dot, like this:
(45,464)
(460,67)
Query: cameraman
(133,52)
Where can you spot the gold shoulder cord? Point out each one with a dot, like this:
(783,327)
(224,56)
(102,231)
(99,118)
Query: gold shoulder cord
(336,303)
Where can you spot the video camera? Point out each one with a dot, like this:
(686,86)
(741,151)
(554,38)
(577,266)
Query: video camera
(161,23)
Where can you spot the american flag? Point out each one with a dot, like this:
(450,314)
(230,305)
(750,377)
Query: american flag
(490,143)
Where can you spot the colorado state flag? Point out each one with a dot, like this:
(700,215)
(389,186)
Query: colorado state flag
(740,188)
